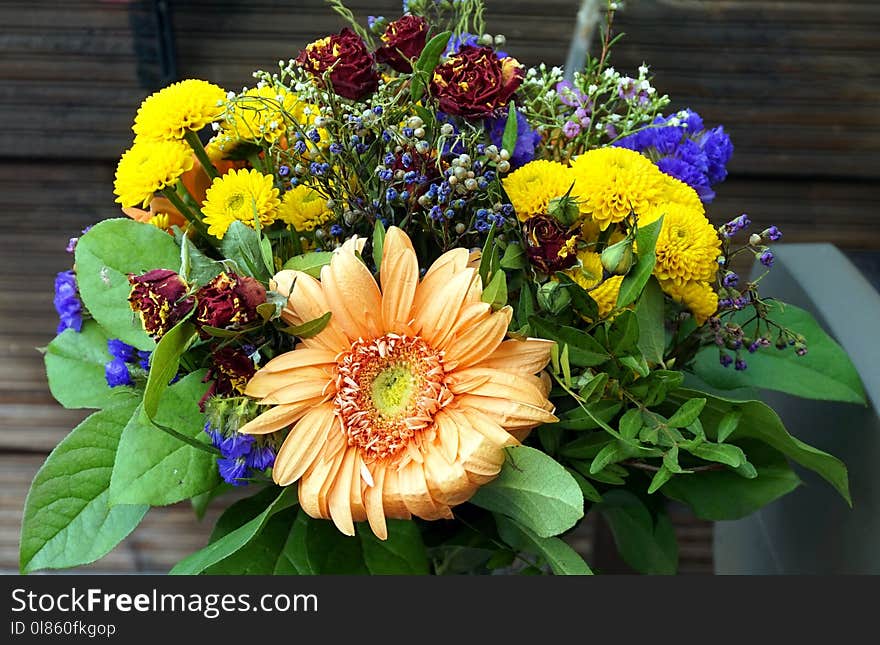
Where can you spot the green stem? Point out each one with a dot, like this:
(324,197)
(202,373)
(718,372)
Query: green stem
(190,216)
(195,143)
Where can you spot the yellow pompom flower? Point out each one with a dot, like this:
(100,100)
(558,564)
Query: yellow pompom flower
(181,107)
(687,247)
(239,195)
(261,113)
(148,167)
(588,271)
(532,187)
(697,296)
(304,209)
(673,192)
(606,294)
(610,183)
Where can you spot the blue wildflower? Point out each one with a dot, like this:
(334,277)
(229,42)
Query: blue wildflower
(121,350)
(261,457)
(336,230)
(67,302)
(116,373)
(144,359)
(233,470)
(527,138)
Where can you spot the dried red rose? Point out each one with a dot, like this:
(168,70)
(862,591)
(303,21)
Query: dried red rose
(351,66)
(159,298)
(474,83)
(404,41)
(545,237)
(229,301)
(230,370)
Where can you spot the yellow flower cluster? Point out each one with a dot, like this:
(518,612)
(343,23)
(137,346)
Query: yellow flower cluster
(148,167)
(244,195)
(532,187)
(181,107)
(304,209)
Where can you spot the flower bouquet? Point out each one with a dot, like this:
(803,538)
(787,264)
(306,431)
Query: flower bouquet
(422,309)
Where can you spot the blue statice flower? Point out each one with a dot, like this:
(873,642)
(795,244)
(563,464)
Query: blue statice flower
(681,147)
(116,373)
(67,302)
(143,359)
(121,350)
(527,138)
(241,455)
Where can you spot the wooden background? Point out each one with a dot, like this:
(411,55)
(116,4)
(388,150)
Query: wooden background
(796,83)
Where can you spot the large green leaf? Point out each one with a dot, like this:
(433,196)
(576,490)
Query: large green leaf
(634,282)
(235,540)
(310,263)
(825,373)
(75,368)
(241,244)
(164,363)
(154,468)
(403,553)
(583,349)
(263,555)
(105,256)
(646,546)
(316,547)
(67,519)
(758,421)
(536,491)
(652,333)
(427,61)
(724,495)
(563,560)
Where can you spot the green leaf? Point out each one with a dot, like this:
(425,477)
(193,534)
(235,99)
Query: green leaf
(154,468)
(241,244)
(563,560)
(423,69)
(586,446)
(75,368)
(596,413)
(649,312)
(687,413)
(727,425)
(508,139)
(67,519)
(495,292)
(630,423)
(660,477)
(638,276)
(378,243)
(583,349)
(196,267)
(264,554)
(611,453)
(403,553)
(726,454)
(514,257)
(587,489)
(316,547)
(489,262)
(581,301)
(105,255)
(310,263)
(825,373)
(637,364)
(646,546)
(243,511)
(623,333)
(758,421)
(164,364)
(310,327)
(236,540)
(535,490)
(725,495)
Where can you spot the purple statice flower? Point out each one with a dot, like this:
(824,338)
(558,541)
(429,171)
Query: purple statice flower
(730,279)
(736,225)
(773,234)
(67,302)
(116,373)
(718,148)
(527,138)
(570,95)
(627,88)
(121,350)
(767,258)
(726,360)
(740,365)
(233,470)
(571,129)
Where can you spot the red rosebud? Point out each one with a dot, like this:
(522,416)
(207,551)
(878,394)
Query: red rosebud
(353,74)
(474,83)
(229,301)
(545,237)
(404,41)
(159,298)
(229,373)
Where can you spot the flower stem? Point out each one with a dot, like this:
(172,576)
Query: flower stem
(195,143)
(188,213)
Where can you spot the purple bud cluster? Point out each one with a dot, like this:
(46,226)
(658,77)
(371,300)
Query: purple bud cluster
(117,370)
(241,455)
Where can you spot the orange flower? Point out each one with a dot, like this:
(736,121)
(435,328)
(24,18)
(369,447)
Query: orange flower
(403,404)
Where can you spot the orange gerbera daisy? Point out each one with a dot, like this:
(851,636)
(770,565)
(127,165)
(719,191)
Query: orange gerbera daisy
(403,404)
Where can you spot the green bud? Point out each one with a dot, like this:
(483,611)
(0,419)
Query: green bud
(553,297)
(564,209)
(618,258)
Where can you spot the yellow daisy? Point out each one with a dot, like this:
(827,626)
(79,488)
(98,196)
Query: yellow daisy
(687,247)
(699,297)
(610,183)
(532,187)
(403,404)
(304,209)
(606,294)
(239,195)
(148,167)
(173,111)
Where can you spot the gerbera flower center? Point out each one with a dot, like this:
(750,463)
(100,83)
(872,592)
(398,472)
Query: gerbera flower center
(388,390)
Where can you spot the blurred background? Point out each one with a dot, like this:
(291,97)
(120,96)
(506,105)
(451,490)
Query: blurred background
(796,84)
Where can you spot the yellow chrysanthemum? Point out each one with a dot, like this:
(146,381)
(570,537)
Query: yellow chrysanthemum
(673,192)
(699,297)
(304,209)
(171,112)
(261,113)
(404,403)
(606,294)
(532,187)
(610,183)
(588,271)
(687,247)
(147,167)
(239,195)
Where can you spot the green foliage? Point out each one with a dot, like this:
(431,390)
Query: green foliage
(67,518)
(316,547)
(105,255)
(164,363)
(495,292)
(640,273)
(310,327)
(508,139)
(403,553)
(584,350)
(649,313)
(423,69)
(378,243)
(825,373)
(196,267)
(645,544)
(514,258)
(310,263)
(265,554)
(562,559)
(242,245)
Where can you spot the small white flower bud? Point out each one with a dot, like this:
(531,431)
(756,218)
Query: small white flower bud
(446,129)
(470,184)
(460,228)
(505,155)
(419,133)
(415,122)
(754,239)
(503,166)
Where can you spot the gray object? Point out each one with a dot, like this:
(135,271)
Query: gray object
(812,530)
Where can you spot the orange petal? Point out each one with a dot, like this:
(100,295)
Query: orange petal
(340,494)
(303,390)
(508,414)
(441,306)
(356,494)
(399,274)
(277,418)
(353,296)
(306,301)
(481,458)
(315,484)
(528,356)
(264,383)
(415,493)
(448,264)
(447,435)
(486,381)
(447,482)
(470,315)
(303,444)
(475,343)
(373,501)
(487,427)
(392,499)
(299,358)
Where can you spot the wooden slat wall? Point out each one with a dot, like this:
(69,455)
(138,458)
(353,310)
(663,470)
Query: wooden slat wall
(795,83)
